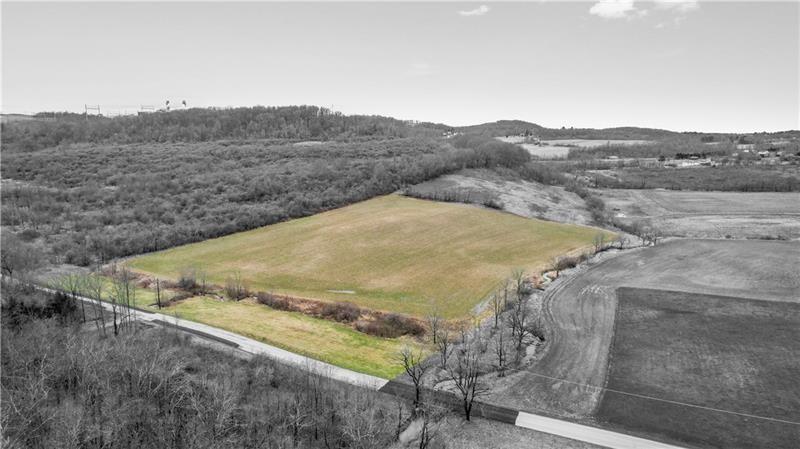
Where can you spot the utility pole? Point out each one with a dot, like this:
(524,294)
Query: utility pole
(87,108)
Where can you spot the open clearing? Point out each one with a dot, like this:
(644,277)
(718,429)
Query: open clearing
(720,352)
(523,198)
(579,310)
(559,148)
(709,214)
(395,253)
(593,143)
(546,151)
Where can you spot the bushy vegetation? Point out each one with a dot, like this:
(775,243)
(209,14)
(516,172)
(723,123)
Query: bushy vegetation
(206,125)
(92,203)
(371,322)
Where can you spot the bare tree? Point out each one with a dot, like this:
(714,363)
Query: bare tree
(500,346)
(363,425)
(497,307)
(158,293)
(621,241)
(445,346)
(202,277)
(520,321)
(72,284)
(464,371)
(431,414)
(518,277)
(93,288)
(413,366)
(434,322)
(123,297)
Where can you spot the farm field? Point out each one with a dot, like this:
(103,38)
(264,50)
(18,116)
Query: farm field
(733,354)
(579,310)
(703,214)
(390,253)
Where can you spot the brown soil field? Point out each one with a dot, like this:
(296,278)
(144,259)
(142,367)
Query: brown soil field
(578,310)
(709,214)
(523,198)
(738,358)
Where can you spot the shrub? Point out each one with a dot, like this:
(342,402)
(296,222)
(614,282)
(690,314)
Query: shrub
(493,204)
(340,311)
(276,302)
(188,279)
(391,325)
(235,288)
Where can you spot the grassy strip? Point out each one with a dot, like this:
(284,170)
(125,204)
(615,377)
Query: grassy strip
(324,340)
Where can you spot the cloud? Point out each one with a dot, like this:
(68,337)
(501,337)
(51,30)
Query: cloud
(616,9)
(479,11)
(680,6)
(625,9)
(613,9)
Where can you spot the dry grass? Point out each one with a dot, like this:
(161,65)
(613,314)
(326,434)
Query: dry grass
(396,254)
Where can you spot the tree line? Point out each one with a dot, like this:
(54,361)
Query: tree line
(92,203)
(207,124)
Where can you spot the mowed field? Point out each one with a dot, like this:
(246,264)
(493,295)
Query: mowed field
(579,310)
(733,354)
(709,214)
(390,253)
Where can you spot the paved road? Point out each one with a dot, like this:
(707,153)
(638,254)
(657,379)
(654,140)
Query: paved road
(592,435)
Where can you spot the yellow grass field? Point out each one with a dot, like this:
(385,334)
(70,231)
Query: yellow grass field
(390,253)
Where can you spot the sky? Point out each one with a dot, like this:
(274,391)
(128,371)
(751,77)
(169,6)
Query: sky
(684,66)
